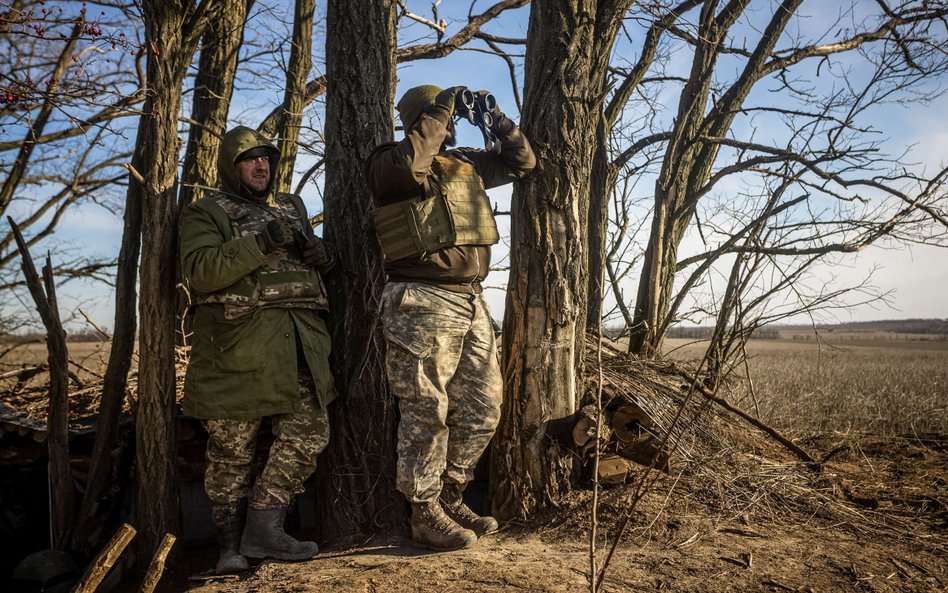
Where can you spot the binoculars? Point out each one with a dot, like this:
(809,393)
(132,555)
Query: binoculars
(476,110)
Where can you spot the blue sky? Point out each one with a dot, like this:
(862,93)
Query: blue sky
(916,277)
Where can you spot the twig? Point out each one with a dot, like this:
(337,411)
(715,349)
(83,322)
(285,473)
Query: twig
(593,584)
(773,583)
(134,172)
(95,326)
(31,371)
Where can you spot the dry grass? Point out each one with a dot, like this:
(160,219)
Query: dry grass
(881,387)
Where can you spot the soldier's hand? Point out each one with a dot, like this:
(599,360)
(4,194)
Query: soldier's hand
(318,253)
(278,234)
(446,100)
(489,104)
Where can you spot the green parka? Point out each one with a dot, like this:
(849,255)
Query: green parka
(245,367)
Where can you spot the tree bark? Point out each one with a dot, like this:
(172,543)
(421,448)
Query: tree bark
(115,383)
(602,181)
(213,87)
(172,30)
(294,100)
(356,478)
(568,49)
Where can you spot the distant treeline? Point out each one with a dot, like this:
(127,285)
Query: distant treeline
(82,335)
(899,326)
(927,327)
(704,333)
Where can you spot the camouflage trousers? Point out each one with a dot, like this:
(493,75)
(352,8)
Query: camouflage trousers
(442,365)
(299,438)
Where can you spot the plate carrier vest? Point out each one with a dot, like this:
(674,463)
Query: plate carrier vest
(453,210)
(283,280)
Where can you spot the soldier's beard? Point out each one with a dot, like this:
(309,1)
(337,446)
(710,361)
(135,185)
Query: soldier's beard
(452,138)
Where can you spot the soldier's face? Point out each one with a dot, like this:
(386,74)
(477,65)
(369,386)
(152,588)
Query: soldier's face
(254,173)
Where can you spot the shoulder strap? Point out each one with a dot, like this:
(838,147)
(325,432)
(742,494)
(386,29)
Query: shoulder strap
(301,210)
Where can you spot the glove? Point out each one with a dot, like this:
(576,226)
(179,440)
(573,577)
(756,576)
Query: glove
(278,234)
(487,100)
(446,101)
(318,253)
(497,117)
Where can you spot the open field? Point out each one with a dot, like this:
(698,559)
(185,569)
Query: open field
(871,386)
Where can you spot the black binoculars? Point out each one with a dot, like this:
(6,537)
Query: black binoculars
(476,110)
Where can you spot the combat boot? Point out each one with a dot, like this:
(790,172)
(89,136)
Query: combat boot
(230,526)
(430,527)
(264,537)
(452,501)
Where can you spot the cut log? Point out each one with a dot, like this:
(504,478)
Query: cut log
(613,469)
(105,560)
(647,452)
(157,566)
(584,430)
(632,424)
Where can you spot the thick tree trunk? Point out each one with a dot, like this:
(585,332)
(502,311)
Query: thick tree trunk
(356,477)
(213,87)
(172,30)
(567,55)
(294,99)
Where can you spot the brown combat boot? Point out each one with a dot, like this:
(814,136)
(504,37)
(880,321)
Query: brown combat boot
(430,527)
(452,501)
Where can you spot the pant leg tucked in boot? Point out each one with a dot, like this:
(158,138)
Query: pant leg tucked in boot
(230,526)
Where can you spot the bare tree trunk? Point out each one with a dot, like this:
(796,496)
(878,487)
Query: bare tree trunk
(688,161)
(173,29)
(213,87)
(601,183)
(301,61)
(120,358)
(567,55)
(604,170)
(357,477)
(57,444)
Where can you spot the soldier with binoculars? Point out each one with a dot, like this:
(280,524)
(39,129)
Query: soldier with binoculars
(436,227)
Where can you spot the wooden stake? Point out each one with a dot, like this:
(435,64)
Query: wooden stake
(157,566)
(105,560)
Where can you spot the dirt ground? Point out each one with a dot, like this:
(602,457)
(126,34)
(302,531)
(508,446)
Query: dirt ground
(883,528)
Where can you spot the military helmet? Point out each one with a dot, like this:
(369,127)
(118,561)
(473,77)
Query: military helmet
(413,103)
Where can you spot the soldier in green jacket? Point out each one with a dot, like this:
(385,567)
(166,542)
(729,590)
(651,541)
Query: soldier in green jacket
(436,228)
(260,348)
